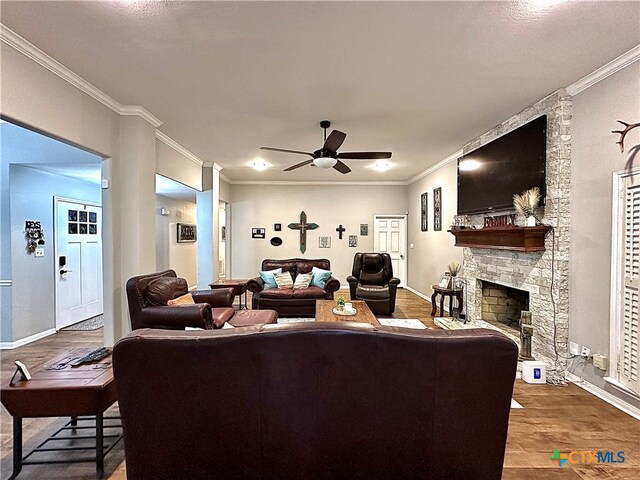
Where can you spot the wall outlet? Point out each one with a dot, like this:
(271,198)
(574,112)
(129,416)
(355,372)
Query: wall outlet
(39,252)
(600,361)
(585,351)
(574,348)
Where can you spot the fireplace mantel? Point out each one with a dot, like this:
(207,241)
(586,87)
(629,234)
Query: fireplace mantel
(518,239)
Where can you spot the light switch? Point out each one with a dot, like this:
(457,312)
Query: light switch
(39,251)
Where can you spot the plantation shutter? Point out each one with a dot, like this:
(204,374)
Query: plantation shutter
(628,362)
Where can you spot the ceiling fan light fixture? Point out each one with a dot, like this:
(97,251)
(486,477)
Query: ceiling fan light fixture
(325,162)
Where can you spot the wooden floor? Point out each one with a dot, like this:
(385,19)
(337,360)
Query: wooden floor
(567,418)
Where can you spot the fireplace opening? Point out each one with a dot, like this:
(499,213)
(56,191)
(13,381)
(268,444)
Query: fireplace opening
(501,305)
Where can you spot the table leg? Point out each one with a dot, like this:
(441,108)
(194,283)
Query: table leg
(450,304)
(17,447)
(433,304)
(99,445)
(441,305)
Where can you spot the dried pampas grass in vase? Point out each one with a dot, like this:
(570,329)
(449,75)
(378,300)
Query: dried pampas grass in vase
(526,204)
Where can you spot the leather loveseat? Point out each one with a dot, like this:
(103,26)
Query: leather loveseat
(288,302)
(148,295)
(315,401)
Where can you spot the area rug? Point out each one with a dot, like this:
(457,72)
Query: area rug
(92,323)
(450,324)
(403,322)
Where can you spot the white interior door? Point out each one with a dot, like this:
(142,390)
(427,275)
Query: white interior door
(390,236)
(78,261)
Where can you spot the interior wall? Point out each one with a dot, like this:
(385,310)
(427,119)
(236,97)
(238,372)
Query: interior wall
(174,165)
(33,290)
(180,257)
(433,250)
(261,206)
(595,157)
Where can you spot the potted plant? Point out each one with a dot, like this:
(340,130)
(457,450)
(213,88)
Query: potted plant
(340,301)
(454,268)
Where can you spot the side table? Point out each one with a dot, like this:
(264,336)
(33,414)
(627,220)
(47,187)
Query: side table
(239,288)
(444,292)
(59,390)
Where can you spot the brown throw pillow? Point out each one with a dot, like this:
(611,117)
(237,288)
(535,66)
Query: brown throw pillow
(183,300)
(163,289)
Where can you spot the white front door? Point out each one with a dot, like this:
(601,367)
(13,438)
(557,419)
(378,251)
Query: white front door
(78,261)
(390,236)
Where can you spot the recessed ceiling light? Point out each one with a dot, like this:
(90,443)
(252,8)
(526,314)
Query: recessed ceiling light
(382,166)
(259,164)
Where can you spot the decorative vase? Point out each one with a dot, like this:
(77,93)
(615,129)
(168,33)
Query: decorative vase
(531,221)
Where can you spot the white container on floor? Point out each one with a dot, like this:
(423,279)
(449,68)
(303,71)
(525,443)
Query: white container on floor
(534,371)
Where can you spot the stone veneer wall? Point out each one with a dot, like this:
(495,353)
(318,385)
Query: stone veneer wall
(533,272)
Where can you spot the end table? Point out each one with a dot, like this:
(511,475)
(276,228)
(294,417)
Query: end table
(239,287)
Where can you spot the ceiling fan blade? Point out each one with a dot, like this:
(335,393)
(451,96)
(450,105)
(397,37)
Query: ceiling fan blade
(342,167)
(286,151)
(298,165)
(334,140)
(364,155)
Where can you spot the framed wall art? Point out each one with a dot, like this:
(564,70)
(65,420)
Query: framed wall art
(437,209)
(277,227)
(186,233)
(364,229)
(424,212)
(324,242)
(258,233)
(353,240)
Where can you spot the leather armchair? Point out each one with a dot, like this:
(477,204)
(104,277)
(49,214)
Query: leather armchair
(372,280)
(148,294)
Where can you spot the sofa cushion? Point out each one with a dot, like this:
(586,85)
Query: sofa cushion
(311,292)
(163,289)
(267,278)
(221,315)
(277,293)
(373,292)
(245,318)
(283,280)
(319,277)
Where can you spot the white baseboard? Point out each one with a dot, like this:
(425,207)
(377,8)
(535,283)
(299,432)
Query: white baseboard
(25,340)
(604,395)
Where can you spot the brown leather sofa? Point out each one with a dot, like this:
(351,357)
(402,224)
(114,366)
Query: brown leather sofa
(315,401)
(288,302)
(148,295)
(372,280)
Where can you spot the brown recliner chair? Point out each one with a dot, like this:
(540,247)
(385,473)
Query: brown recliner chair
(148,296)
(372,280)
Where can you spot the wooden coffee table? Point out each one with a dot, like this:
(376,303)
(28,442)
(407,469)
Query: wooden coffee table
(57,390)
(239,287)
(324,313)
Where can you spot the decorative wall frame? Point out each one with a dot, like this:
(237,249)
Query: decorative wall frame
(324,242)
(353,240)
(187,233)
(223,233)
(277,227)
(424,212)
(258,233)
(437,209)
(364,229)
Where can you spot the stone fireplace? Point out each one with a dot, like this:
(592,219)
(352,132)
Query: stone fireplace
(544,276)
(501,305)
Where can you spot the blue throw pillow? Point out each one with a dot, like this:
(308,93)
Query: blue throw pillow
(267,278)
(319,277)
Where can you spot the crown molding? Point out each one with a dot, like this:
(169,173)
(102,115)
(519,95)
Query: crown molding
(288,182)
(178,148)
(226,179)
(605,71)
(141,112)
(217,166)
(29,50)
(433,168)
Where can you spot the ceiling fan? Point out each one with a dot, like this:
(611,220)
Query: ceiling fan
(327,156)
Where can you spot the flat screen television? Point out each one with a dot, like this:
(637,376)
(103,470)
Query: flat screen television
(489,176)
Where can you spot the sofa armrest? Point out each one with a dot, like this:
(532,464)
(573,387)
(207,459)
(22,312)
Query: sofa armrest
(332,285)
(178,316)
(394,281)
(220,297)
(255,285)
(352,279)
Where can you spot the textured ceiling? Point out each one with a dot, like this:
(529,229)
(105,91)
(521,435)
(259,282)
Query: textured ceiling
(417,78)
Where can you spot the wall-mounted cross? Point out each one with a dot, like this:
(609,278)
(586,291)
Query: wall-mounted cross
(340,230)
(303,226)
